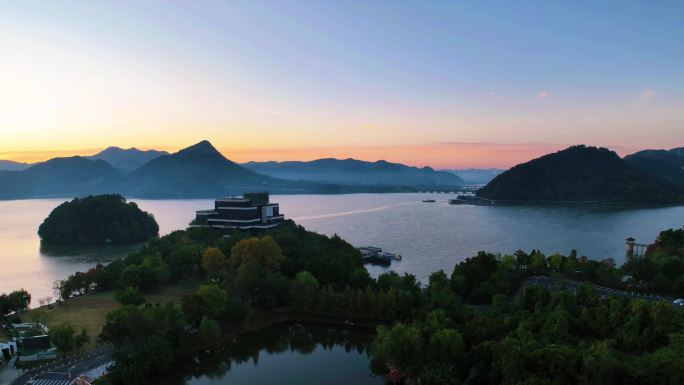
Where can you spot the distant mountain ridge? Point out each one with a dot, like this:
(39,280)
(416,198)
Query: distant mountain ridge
(353,172)
(198,170)
(476,176)
(126,159)
(61,177)
(667,164)
(581,173)
(9,165)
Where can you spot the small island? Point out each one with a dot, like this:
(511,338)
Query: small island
(97,220)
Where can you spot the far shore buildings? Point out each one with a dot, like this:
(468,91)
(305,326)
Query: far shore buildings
(252,211)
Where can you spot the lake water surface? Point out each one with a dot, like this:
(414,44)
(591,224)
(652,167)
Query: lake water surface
(429,236)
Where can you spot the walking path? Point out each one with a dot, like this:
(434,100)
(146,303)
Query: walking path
(552,284)
(64,371)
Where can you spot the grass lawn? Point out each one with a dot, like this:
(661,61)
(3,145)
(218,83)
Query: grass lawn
(89,311)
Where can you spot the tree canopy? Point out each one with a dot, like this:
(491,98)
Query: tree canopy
(97,220)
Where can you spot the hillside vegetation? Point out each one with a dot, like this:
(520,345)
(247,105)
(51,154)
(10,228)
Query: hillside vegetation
(97,220)
(581,173)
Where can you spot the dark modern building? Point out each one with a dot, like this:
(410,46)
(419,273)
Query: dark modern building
(251,211)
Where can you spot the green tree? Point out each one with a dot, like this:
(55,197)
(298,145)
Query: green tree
(263,251)
(213,262)
(129,296)
(303,289)
(556,261)
(213,300)
(65,338)
(401,346)
(538,261)
(209,330)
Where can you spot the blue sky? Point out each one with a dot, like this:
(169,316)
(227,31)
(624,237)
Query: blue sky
(364,78)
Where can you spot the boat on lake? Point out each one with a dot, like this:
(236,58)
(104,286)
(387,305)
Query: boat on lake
(375,255)
(429,201)
(470,200)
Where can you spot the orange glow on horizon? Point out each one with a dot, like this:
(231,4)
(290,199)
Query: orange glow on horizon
(437,156)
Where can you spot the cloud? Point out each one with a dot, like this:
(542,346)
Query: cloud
(494,95)
(647,94)
(542,95)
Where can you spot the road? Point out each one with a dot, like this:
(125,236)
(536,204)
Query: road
(63,372)
(571,285)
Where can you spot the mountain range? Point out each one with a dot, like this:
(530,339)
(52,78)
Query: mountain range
(578,173)
(127,160)
(667,164)
(582,173)
(356,172)
(59,177)
(8,165)
(201,171)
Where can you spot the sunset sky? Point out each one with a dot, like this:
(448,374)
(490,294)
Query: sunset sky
(444,83)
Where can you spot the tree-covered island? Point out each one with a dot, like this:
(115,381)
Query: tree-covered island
(521,318)
(97,220)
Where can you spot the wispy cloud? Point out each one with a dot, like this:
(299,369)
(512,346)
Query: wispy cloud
(543,95)
(494,95)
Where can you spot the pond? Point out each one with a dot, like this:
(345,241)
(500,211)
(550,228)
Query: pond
(281,354)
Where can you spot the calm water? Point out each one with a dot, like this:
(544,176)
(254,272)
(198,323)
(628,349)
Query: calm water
(430,236)
(289,354)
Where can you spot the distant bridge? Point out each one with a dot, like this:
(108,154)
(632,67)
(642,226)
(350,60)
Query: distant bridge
(452,190)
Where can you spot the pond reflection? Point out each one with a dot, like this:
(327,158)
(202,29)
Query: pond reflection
(285,354)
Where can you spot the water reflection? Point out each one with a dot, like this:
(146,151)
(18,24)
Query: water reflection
(429,236)
(89,253)
(305,354)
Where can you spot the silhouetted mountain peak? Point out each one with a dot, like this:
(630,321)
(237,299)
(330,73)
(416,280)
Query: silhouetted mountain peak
(204,146)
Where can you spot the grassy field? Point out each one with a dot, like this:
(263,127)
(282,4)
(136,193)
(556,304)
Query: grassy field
(89,311)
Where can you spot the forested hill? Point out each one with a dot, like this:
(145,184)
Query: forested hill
(196,171)
(581,173)
(667,164)
(97,220)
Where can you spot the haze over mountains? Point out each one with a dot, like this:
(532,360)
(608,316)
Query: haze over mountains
(127,159)
(352,171)
(585,174)
(477,176)
(578,173)
(8,165)
(201,171)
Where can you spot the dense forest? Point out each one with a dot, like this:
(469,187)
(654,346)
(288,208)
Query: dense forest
(97,220)
(581,174)
(482,321)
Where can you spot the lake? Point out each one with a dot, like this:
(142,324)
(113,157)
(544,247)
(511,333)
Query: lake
(283,354)
(429,236)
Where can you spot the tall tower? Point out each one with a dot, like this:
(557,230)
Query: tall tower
(629,246)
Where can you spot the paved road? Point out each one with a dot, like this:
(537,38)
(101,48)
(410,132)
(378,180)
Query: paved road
(63,371)
(572,285)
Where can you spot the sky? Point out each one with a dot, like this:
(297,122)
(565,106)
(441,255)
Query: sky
(449,84)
